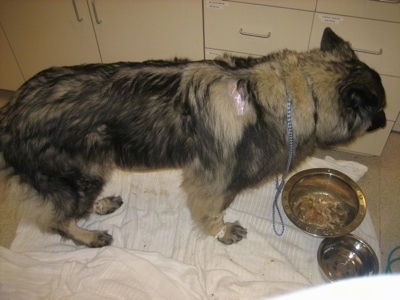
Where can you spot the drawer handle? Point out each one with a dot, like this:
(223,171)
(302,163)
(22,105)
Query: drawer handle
(96,16)
(387,1)
(78,18)
(263,36)
(379,52)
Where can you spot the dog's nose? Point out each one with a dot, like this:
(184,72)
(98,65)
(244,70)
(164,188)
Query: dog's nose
(378,121)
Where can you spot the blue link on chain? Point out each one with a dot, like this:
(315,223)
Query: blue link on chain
(279,186)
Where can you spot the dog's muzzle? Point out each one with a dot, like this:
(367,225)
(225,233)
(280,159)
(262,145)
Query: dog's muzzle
(378,121)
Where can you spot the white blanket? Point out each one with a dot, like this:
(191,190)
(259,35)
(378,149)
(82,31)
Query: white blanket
(158,253)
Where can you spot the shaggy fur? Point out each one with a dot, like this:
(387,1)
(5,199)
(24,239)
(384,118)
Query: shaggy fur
(222,121)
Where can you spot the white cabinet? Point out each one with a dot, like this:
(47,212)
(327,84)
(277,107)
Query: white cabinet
(44,33)
(10,74)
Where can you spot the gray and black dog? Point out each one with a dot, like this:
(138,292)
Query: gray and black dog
(223,121)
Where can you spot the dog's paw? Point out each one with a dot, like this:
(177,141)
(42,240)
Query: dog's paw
(100,239)
(233,234)
(107,205)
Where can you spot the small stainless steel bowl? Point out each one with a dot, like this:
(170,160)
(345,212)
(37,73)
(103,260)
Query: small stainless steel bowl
(324,202)
(345,257)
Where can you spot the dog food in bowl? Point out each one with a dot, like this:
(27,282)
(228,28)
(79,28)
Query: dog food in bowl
(323,202)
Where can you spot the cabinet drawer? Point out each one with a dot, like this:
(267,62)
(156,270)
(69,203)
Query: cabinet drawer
(296,4)
(378,42)
(371,143)
(264,28)
(371,9)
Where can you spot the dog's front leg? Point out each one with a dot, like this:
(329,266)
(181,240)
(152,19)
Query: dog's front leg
(207,211)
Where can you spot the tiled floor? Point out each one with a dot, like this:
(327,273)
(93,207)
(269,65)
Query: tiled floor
(381,186)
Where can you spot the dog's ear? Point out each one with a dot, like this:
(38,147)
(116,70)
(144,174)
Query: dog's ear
(331,42)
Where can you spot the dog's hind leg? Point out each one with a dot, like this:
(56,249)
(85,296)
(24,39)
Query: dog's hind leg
(69,229)
(73,199)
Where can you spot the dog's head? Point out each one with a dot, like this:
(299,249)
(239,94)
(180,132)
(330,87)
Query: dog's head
(358,89)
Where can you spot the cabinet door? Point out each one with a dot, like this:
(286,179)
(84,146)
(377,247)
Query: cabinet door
(140,30)
(44,33)
(10,74)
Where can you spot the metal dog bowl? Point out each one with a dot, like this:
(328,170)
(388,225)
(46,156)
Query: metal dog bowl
(345,257)
(324,202)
